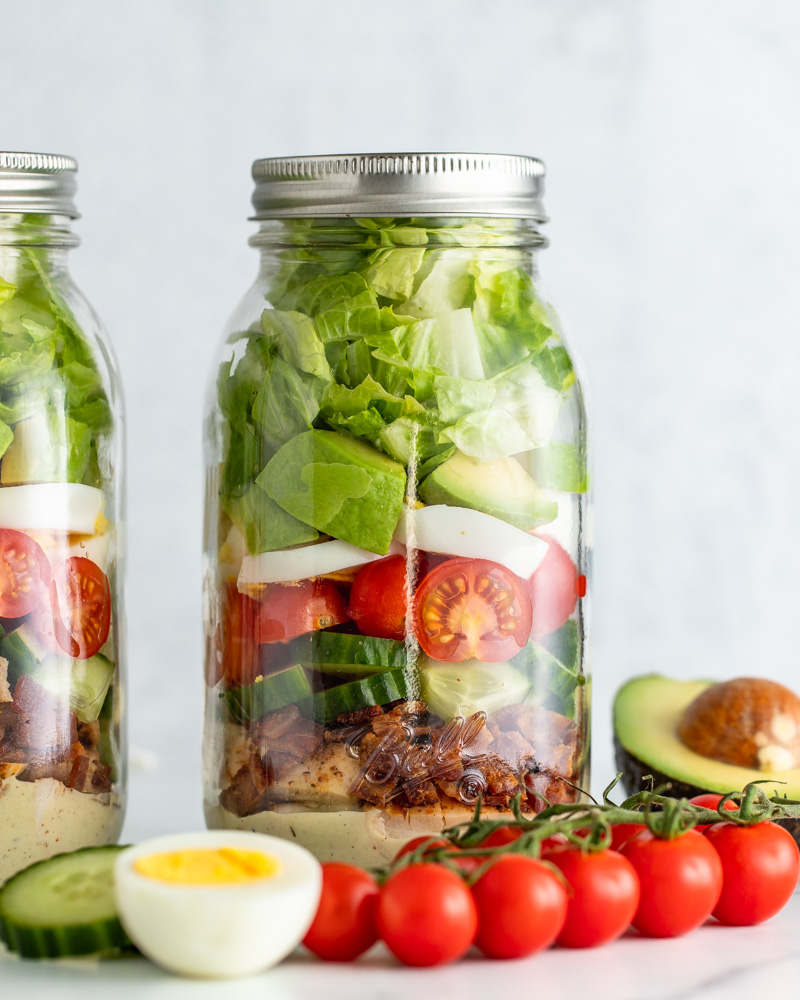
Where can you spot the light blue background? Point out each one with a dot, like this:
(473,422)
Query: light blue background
(671,134)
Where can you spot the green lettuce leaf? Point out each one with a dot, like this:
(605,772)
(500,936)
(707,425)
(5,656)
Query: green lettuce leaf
(297,341)
(287,402)
(392,272)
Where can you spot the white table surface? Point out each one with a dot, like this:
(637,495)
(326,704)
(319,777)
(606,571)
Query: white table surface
(714,962)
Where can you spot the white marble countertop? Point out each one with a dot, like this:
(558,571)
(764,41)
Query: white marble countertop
(713,962)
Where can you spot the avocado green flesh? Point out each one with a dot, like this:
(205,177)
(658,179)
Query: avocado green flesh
(501,488)
(646,714)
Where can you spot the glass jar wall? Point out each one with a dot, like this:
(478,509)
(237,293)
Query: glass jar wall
(61,672)
(395,592)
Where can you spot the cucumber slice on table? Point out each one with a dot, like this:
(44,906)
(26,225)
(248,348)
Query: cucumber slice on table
(376,689)
(268,694)
(338,653)
(63,906)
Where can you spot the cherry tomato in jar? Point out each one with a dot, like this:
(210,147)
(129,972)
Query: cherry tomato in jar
(288,610)
(80,599)
(345,925)
(604,897)
(426,915)
(378,598)
(467,609)
(680,881)
(710,800)
(554,589)
(760,867)
(521,905)
(24,574)
(236,659)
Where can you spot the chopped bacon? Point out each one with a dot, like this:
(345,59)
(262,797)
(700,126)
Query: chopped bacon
(249,790)
(44,727)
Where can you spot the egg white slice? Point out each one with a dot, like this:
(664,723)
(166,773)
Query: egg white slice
(218,931)
(68,507)
(319,559)
(461,531)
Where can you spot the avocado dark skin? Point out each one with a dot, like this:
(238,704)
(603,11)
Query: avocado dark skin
(634,771)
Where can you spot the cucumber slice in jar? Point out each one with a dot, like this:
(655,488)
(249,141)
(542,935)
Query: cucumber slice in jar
(83,684)
(338,653)
(63,906)
(376,689)
(452,689)
(268,694)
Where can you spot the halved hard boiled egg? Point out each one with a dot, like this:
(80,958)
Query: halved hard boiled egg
(217,904)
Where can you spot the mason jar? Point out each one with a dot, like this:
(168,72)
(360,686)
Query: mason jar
(396,510)
(62,770)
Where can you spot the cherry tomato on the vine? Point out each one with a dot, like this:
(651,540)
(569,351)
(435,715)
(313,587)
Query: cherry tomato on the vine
(522,906)
(378,601)
(680,880)
(288,610)
(467,609)
(760,866)
(345,925)
(621,833)
(465,865)
(605,894)
(710,800)
(426,915)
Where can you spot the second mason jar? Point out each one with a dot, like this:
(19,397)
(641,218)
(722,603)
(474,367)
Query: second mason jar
(62,761)
(396,544)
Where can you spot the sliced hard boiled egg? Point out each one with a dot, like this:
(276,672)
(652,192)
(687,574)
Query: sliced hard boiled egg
(461,531)
(217,904)
(67,507)
(319,559)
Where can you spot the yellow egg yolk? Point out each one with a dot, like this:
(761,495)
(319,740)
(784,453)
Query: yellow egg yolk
(208,866)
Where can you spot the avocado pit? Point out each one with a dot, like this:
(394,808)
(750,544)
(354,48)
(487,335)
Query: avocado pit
(748,722)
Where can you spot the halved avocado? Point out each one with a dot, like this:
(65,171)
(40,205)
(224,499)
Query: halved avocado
(647,711)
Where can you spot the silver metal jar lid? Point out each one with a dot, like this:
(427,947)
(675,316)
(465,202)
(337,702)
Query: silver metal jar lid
(40,183)
(379,185)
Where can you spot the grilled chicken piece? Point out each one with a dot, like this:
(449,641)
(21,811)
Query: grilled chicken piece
(324,778)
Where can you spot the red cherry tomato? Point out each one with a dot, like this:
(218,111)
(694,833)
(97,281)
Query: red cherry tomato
(24,574)
(502,835)
(605,894)
(236,660)
(426,915)
(680,880)
(378,599)
(345,925)
(760,867)
(522,906)
(468,609)
(465,865)
(621,833)
(80,599)
(710,800)
(286,611)
(554,589)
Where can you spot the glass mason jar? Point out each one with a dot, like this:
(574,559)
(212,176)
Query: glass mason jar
(396,551)
(62,767)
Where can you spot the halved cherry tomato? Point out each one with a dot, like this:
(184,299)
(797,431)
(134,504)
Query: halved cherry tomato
(710,800)
(286,610)
(554,589)
(236,659)
(378,599)
(468,609)
(80,599)
(24,574)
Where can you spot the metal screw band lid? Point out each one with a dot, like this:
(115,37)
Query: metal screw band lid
(39,183)
(381,185)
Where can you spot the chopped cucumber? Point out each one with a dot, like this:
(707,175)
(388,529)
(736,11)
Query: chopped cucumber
(268,694)
(81,683)
(452,689)
(23,651)
(63,906)
(376,689)
(337,653)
